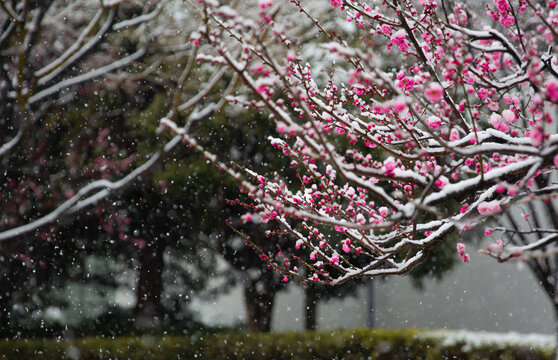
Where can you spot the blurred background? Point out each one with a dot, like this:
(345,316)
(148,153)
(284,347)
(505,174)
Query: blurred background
(156,256)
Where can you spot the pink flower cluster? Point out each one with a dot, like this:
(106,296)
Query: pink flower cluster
(495,247)
(398,39)
(489,207)
(336,3)
(552,90)
(501,122)
(461,250)
(265,3)
(434,122)
(503,13)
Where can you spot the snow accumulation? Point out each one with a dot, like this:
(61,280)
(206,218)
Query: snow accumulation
(477,339)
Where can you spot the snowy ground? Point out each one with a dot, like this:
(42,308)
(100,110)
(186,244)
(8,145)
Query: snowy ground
(476,339)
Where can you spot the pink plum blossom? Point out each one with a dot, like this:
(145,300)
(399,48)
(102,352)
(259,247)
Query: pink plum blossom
(386,30)
(495,119)
(265,3)
(399,105)
(434,92)
(434,122)
(536,137)
(246,218)
(489,207)
(483,93)
(552,90)
(390,165)
(383,211)
(442,181)
(508,116)
(336,3)
(334,258)
(498,122)
(454,135)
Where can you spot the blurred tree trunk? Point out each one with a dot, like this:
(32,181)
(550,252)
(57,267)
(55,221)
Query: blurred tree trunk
(310,307)
(556,330)
(5,296)
(259,300)
(148,309)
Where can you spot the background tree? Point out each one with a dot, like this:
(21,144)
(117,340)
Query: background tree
(68,141)
(37,79)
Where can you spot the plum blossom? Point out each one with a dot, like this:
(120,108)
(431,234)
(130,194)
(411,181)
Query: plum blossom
(536,137)
(399,104)
(399,39)
(336,3)
(434,122)
(461,250)
(374,147)
(442,181)
(552,90)
(383,211)
(386,30)
(246,218)
(390,164)
(265,3)
(334,258)
(499,123)
(347,246)
(489,207)
(454,135)
(508,116)
(434,92)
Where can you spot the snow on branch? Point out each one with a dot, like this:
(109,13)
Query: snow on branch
(89,195)
(89,76)
(52,52)
(405,125)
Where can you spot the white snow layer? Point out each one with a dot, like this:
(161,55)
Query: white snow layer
(477,339)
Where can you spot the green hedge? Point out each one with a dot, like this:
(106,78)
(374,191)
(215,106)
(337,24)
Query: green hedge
(341,344)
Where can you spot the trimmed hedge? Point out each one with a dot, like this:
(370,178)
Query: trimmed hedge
(357,344)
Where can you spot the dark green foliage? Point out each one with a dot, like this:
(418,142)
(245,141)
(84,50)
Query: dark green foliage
(342,344)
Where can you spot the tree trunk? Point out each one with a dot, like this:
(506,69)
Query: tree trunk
(259,307)
(556,328)
(5,300)
(150,286)
(371,307)
(311,308)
